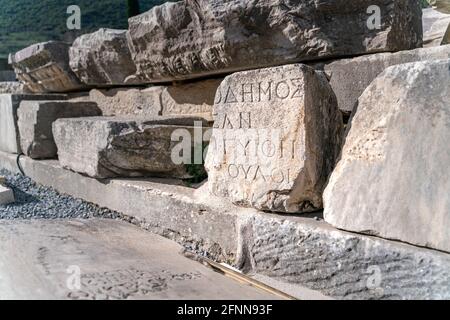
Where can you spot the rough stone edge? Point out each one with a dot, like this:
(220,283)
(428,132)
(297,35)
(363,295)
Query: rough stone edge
(295,250)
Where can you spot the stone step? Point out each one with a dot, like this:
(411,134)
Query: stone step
(36,119)
(9,130)
(291,249)
(105,147)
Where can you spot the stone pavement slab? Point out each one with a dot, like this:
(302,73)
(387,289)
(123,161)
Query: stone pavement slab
(104,259)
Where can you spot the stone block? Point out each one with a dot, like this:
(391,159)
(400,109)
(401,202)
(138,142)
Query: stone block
(392,179)
(190,39)
(44,67)
(436,28)
(350,77)
(128,101)
(105,147)
(9,131)
(36,119)
(277,134)
(102,58)
(190,99)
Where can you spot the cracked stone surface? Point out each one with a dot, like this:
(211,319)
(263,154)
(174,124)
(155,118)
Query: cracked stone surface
(189,39)
(103,259)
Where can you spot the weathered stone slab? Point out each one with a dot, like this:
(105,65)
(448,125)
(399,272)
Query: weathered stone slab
(9,131)
(36,119)
(12,87)
(44,67)
(276,137)
(104,147)
(189,39)
(392,178)
(350,77)
(436,28)
(191,99)
(128,101)
(102,58)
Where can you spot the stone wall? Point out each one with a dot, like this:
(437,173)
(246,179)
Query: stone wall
(260,89)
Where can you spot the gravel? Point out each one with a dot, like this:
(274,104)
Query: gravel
(34,201)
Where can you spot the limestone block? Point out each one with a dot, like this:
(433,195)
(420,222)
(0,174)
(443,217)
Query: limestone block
(36,119)
(104,147)
(191,99)
(276,137)
(128,101)
(102,58)
(436,28)
(189,39)
(44,67)
(350,77)
(9,131)
(392,179)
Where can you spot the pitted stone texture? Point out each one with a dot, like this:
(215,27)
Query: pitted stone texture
(128,101)
(276,137)
(340,264)
(436,28)
(189,39)
(190,99)
(9,130)
(36,119)
(104,147)
(102,58)
(350,77)
(392,179)
(44,67)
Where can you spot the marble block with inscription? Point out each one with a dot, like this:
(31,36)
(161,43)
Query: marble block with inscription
(276,137)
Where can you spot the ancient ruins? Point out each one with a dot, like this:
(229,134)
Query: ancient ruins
(279,137)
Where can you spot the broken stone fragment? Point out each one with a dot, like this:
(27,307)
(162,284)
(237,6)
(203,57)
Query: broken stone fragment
(190,39)
(44,67)
(276,137)
(105,147)
(9,131)
(392,179)
(102,58)
(36,119)
(350,77)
